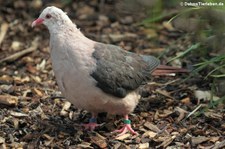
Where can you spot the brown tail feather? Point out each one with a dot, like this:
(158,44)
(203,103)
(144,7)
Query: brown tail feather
(163,70)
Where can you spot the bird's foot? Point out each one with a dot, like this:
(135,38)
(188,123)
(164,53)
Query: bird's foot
(91,125)
(126,128)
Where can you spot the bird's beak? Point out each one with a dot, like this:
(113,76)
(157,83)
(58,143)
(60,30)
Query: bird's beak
(37,22)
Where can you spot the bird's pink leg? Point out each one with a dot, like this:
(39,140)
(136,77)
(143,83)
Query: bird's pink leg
(92,123)
(126,127)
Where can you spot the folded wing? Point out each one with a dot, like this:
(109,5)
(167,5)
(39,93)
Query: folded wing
(119,71)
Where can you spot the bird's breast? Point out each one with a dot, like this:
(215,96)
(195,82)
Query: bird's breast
(72,67)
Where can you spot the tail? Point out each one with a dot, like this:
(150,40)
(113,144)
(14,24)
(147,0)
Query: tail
(152,62)
(163,70)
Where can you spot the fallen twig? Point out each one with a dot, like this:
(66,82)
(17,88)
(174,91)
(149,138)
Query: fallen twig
(19,54)
(196,109)
(4,29)
(164,93)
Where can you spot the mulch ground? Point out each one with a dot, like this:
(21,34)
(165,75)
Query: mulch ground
(33,114)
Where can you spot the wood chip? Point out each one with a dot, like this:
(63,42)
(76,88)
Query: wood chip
(3,146)
(152,127)
(123,146)
(213,115)
(166,142)
(149,134)
(186,100)
(65,108)
(18,114)
(119,37)
(2,140)
(123,137)
(8,100)
(49,139)
(38,92)
(214,139)
(117,145)
(219,145)
(199,139)
(4,29)
(143,146)
(6,79)
(182,113)
(85,145)
(99,141)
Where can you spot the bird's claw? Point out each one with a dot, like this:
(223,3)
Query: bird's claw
(126,128)
(90,126)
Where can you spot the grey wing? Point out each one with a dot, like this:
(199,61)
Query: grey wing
(119,71)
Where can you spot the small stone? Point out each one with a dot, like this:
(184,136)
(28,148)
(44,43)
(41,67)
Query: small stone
(16,45)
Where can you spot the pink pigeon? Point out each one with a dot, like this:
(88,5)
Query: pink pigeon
(95,76)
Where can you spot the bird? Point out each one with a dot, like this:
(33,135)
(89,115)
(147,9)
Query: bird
(95,76)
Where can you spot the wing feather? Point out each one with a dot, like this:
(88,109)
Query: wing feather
(119,71)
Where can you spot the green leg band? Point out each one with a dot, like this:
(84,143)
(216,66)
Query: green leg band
(126,121)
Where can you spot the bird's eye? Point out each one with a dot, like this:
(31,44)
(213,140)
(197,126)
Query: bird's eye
(48,16)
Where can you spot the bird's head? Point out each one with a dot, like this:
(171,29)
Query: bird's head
(52,17)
